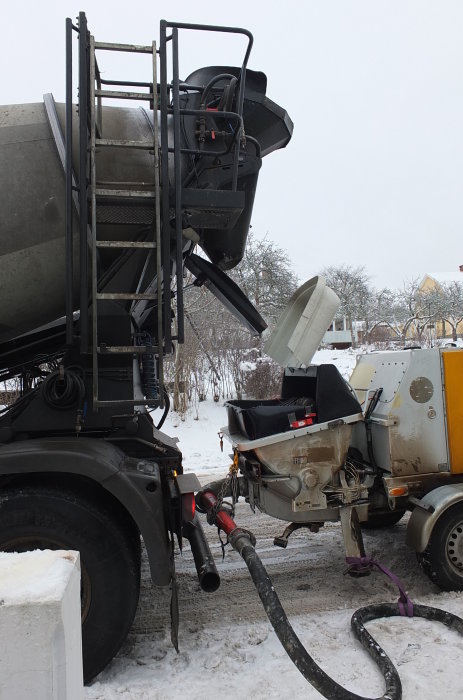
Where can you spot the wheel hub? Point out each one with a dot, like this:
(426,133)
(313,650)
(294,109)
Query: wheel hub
(455,547)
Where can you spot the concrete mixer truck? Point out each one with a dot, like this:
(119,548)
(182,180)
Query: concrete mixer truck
(102,209)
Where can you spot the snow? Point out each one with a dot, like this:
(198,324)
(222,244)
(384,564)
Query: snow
(34,577)
(247,661)
(229,653)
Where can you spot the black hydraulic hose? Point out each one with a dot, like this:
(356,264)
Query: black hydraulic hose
(375,611)
(64,388)
(166,410)
(212,82)
(243,542)
(299,655)
(371,407)
(294,647)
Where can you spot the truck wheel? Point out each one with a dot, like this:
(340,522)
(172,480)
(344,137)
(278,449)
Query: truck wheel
(376,521)
(109,546)
(442,560)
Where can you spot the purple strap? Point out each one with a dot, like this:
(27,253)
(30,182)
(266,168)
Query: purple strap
(404,602)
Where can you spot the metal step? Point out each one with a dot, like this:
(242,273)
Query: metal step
(131,48)
(124,296)
(129,194)
(118,202)
(125,244)
(116,143)
(123,95)
(127,349)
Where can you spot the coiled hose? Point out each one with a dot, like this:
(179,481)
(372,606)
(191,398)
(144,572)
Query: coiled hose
(243,542)
(64,388)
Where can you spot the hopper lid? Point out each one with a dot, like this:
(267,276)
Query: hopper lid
(303,323)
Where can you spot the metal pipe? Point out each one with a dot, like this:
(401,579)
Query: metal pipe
(158,236)
(68,181)
(83,158)
(165,189)
(208,576)
(178,189)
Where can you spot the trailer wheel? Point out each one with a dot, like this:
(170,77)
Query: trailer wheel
(442,560)
(109,546)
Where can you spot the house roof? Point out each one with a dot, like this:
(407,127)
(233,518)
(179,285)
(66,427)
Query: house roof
(442,277)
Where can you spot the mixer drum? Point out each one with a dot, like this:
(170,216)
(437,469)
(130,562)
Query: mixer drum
(215,211)
(32,251)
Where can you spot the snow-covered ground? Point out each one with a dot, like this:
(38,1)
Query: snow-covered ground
(227,646)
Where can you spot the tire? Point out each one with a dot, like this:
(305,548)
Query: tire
(109,546)
(442,560)
(377,521)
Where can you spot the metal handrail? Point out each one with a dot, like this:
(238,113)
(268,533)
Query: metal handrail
(177,151)
(83,172)
(68,186)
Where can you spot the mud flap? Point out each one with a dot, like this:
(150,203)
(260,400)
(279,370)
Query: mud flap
(174,612)
(353,540)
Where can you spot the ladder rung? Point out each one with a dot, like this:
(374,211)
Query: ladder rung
(123,95)
(125,144)
(134,48)
(126,349)
(125,244)
(142,194)
(124,296)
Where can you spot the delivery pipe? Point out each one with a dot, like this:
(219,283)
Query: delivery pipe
(243,542)
(208,576)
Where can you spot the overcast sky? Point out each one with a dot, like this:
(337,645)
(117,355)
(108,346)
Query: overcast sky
(374,173)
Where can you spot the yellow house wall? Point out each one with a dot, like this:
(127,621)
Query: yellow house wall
(444,330)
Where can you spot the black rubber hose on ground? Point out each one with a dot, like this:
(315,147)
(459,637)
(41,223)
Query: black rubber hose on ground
(325,685)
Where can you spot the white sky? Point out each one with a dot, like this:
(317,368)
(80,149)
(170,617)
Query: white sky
(373,175)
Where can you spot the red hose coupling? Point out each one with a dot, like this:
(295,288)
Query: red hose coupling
(208,500)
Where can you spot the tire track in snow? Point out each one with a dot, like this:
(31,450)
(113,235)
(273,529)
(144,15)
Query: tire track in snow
(308,576)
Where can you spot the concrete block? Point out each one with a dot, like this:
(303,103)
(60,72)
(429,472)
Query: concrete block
(40,638)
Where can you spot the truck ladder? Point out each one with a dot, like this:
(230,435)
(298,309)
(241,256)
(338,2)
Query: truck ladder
(96,197)
(165,203)
(130,192)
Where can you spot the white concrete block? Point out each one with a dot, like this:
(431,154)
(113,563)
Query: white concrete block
(40,627)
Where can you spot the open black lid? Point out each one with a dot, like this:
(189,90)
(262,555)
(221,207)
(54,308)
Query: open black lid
(227,291)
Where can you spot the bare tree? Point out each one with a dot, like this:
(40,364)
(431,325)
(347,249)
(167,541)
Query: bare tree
(418,310)
(384,312)
(410,311)
(351,284)
(450,306)
(266,277)
(216,345)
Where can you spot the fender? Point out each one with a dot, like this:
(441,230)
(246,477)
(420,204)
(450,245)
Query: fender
(135,483)
(428,510)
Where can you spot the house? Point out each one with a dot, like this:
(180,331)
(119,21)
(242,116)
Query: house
(339,334)
(434,281)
